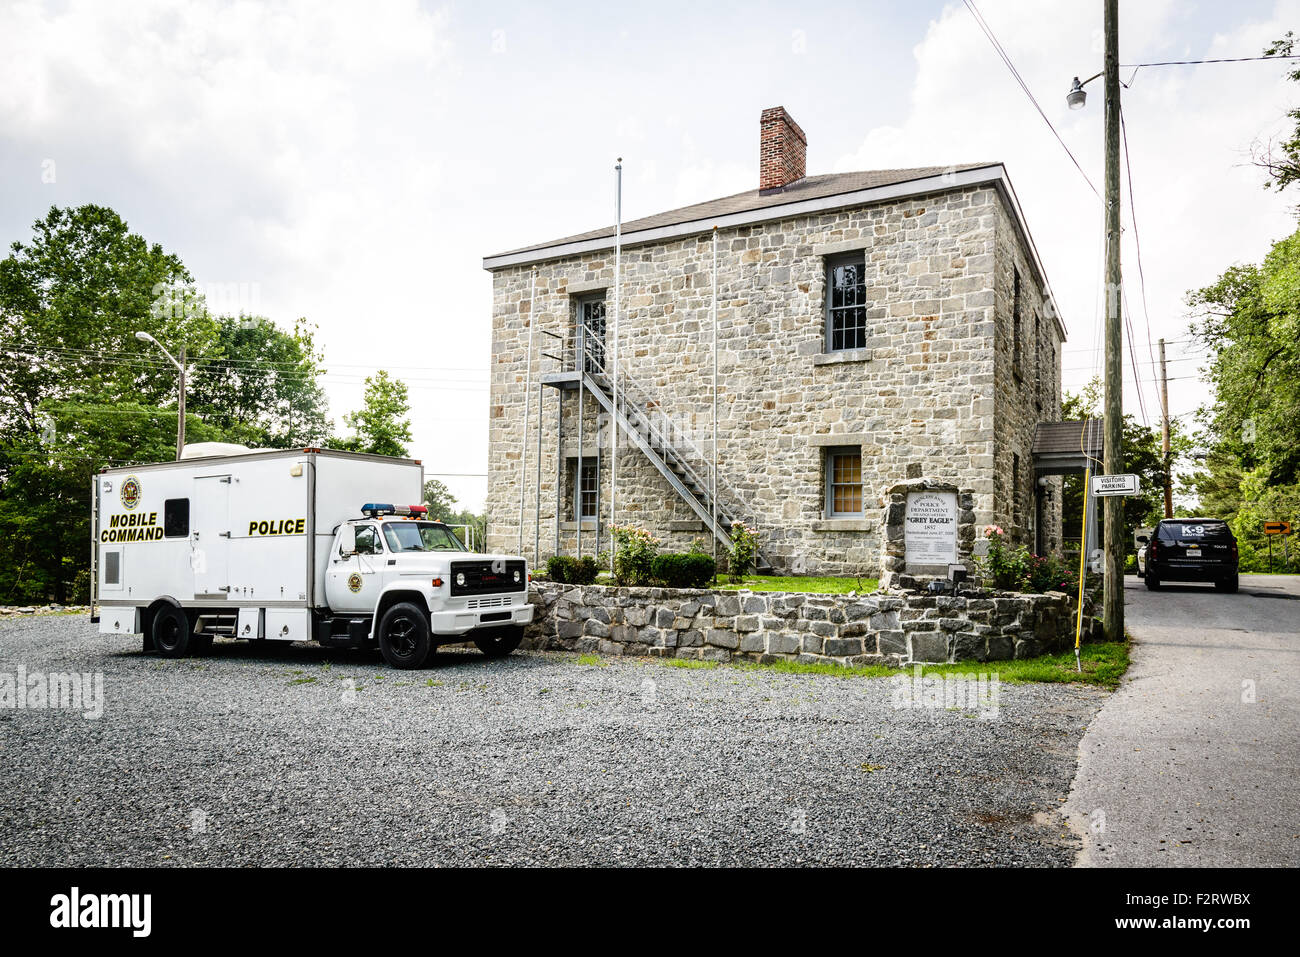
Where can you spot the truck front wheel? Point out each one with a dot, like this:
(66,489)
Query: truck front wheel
(500,642)
(171,632)
(404,638)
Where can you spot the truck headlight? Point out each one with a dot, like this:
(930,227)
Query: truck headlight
(460,578)
(518,577)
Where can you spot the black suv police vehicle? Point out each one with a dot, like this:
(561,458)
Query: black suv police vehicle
(1190,550)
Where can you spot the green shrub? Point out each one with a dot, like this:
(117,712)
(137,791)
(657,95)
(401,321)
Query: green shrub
(688,570)
(558,568)
(585,571)
(572,571)
(634,550)
(743,551)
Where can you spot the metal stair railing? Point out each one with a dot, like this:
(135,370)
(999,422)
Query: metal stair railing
(637,407)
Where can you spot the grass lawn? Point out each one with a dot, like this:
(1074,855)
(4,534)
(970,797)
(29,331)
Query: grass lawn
(1104,663)
(795,583)
(801,583)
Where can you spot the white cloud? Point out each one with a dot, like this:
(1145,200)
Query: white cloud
(1200,205)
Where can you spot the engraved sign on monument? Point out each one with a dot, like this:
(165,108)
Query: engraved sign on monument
(930,529)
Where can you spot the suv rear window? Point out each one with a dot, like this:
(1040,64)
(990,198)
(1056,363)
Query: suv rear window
(1195,531)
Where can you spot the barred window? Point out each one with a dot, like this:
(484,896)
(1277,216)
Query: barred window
(591,332)
(844,481)
(583,491)
(846,303)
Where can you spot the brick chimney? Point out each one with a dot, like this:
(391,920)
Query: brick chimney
(782,151)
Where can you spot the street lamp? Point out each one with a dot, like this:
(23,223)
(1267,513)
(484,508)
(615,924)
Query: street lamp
(180,405)
(1077,96)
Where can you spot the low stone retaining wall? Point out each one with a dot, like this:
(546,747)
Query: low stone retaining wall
(889,628)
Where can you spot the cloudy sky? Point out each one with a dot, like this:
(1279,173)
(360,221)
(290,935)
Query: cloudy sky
(352,163)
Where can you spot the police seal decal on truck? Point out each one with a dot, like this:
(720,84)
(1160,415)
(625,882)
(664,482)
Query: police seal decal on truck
(130,492)
(354,582)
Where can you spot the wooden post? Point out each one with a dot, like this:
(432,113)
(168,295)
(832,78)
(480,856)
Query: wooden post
(1113,601)
(1164,440)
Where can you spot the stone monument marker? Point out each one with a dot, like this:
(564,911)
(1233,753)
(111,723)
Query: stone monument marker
(930,531)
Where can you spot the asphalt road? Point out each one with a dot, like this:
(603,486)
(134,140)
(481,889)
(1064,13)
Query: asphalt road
(1195,760)
(300,756)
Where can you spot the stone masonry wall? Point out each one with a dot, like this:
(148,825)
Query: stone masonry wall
(919,398)
(1024,396)
(853,630)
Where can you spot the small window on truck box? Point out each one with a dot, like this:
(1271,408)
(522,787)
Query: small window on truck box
(176,518)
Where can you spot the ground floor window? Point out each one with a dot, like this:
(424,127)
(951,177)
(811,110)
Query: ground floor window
(582,488)
(843,481)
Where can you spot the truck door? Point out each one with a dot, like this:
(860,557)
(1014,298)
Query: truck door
(353,582)
(210,535)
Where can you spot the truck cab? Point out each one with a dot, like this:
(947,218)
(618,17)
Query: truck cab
(398,579)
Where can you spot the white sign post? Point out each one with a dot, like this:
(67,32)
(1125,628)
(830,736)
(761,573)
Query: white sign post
(1114,485)
(930,530)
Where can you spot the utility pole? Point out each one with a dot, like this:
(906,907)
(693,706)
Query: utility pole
(1164,437)
(1113,458)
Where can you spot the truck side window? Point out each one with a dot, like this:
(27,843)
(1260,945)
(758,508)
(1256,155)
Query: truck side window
(176,518)
(368,540)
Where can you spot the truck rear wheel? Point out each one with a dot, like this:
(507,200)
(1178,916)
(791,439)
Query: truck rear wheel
(404,638)
(500,642)
(171,632)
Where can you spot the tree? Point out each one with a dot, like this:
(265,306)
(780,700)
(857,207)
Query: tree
(1281,160)
(259,384)
(1250,322)
(71,302)
(77,391)
(381,425)
(1142,456)
(438,497)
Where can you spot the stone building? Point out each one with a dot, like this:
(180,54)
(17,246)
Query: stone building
(870,327)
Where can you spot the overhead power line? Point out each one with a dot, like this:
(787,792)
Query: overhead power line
(1226,59)
(997,46)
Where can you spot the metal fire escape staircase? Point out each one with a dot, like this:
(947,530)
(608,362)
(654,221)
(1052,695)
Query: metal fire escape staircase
(641,417)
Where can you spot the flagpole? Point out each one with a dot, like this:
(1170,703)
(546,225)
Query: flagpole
(618,283)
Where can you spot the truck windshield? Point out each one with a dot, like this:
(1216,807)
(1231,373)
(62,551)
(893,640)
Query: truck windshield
(421,537)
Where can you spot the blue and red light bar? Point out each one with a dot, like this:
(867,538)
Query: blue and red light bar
(374,510)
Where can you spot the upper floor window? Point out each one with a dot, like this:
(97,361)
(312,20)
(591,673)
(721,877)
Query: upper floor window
(844,481)
(846,302)
(590,332)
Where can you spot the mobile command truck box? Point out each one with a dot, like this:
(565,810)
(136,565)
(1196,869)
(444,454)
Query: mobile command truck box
(307,544)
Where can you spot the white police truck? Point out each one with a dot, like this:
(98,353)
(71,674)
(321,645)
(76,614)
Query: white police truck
(299,545)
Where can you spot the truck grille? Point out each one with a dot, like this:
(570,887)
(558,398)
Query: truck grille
(501,602)
(482,578)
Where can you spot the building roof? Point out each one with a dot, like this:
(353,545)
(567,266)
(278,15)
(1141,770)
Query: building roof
(1084,436)
(810,195)
(810,187)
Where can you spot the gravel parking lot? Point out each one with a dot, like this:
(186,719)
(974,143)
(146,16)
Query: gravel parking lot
(299,756)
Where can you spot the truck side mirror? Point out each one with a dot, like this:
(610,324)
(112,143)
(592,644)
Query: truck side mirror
(347,541)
